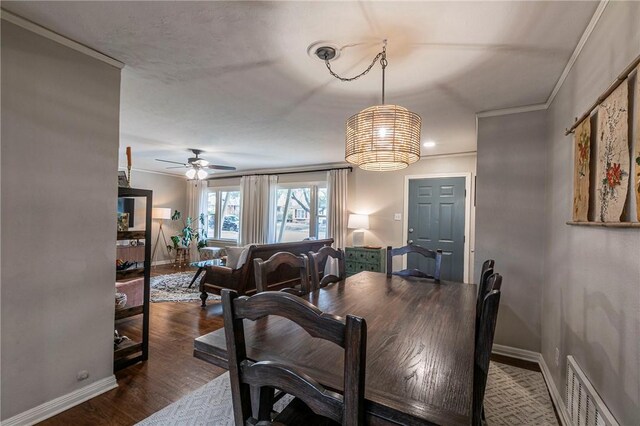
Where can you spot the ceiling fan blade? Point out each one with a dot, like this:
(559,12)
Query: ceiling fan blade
(218,167)
(178,167)
(173,162)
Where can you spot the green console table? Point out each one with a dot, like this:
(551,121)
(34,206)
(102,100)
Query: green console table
(358,259)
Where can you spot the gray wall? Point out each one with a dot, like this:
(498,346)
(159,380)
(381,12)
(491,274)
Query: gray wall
(168,191)
(510,219)
(591,296)
(60,124)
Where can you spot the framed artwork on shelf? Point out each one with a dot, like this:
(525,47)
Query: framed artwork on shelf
(123,221)
(123,182)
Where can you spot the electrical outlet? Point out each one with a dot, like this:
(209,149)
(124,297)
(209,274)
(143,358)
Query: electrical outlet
(397,216)
(557,357)
(82,375)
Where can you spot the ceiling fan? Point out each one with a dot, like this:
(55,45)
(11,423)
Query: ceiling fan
(197,167)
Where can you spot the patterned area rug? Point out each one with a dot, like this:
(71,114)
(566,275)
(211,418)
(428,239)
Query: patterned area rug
(514,396)
(175,288)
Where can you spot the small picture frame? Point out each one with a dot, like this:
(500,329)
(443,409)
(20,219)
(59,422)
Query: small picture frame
(123,221)
(123,182)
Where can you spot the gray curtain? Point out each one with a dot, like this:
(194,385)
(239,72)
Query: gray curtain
(337,206)
(257,209)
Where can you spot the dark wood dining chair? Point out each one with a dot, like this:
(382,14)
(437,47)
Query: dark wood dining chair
(436,255)
(318,262)
(485,331)
(488,264)
(483,285)
(313,404)
(263,269)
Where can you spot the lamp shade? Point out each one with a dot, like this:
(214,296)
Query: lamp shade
(383,138)
(358,221)
(161,213)
(202,174)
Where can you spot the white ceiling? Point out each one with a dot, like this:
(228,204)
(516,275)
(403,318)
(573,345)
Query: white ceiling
(234,78)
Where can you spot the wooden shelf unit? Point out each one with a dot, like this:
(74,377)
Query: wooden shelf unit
(130,273)
(127,312)
(130,352)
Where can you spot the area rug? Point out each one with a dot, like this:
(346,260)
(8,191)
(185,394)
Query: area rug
(175,288)
(514,396)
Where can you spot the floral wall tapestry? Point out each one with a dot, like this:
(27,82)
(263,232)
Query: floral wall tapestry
(582,147)
(613,155)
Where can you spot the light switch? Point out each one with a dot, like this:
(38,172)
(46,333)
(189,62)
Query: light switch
(397,216)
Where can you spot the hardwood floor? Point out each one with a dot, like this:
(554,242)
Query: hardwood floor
(170,373)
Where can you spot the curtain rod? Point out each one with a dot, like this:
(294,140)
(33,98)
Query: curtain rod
(282,173)
(618,81)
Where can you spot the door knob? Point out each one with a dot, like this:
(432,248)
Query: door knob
(409,241)
(410,229)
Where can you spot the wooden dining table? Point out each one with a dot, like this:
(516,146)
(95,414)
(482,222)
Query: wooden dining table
(420,343)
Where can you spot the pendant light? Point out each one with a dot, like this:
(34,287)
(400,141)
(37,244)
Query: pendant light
(382,137)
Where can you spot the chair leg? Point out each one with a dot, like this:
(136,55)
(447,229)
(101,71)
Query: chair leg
(203,297)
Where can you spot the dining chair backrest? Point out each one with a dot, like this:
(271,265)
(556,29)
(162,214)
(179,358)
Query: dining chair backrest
(436,255)
(488,264)
(485,331)
(264,268)
(318,263)
(483,285)
(264,377)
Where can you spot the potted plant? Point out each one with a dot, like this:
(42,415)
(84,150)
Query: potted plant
(189,233)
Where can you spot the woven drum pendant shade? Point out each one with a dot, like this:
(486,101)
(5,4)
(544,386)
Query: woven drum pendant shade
(383,138)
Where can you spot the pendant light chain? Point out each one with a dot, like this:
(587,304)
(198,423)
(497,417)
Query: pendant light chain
(383,61)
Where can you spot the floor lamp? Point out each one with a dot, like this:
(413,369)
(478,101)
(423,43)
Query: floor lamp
(162,214)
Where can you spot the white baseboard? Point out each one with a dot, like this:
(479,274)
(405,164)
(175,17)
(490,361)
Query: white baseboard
(555,394)
(60,404)
(536,357)
(161,262)
(517,353)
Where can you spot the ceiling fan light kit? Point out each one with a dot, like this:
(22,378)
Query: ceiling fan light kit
(382,137)
(196,166)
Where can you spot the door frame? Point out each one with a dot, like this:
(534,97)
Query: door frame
(467,213)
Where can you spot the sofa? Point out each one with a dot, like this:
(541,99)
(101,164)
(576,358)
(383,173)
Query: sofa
(242,278)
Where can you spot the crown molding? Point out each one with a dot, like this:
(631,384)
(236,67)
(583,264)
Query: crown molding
(449,155)
(514,110)
(44,32)
(181,176)
(565,73)
(275,171)
(576,52)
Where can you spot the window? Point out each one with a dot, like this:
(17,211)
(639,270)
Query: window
(223,226)
(301,212)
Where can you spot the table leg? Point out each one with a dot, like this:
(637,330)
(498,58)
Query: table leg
(195,277)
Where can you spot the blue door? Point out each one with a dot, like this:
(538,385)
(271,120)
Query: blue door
(436,221)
